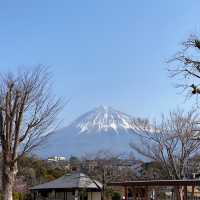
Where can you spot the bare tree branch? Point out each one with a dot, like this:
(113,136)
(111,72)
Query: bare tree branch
(186,65)
(170,142)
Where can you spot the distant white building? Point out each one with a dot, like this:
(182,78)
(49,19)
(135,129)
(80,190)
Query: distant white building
(56,158)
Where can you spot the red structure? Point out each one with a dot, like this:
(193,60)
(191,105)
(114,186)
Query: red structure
(150,189)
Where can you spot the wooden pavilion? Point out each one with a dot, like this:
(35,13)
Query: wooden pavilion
(152,189)
(73,186)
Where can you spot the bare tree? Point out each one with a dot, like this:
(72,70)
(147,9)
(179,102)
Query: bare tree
(27,114)
(170,142)
(108,167)
(186,66)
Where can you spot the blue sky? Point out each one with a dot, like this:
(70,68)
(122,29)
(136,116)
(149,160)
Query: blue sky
(109,52)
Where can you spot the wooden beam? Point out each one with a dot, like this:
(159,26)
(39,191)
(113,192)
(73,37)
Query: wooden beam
(157,183)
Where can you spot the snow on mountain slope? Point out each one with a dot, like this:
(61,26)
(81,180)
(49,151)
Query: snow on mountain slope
(102,128)
(102,119)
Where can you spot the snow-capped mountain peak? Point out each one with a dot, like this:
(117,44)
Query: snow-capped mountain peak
(103,118)
(102,128)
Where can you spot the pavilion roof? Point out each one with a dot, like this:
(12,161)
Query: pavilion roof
(71,181)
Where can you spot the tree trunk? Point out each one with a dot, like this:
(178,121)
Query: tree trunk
(8,190)
(8,178)
(181,191)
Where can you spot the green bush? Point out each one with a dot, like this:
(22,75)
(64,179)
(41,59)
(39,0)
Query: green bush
(17,196)
(116,196)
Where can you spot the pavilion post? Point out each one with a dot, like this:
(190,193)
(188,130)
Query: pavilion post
(146,193)
(192,192)
(178,197)
(34,195)
(126,192)
(157,193)
(66,195)
(134,193)
(185,193)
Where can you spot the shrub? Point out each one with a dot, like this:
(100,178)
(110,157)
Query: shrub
(17,196)
(116,196)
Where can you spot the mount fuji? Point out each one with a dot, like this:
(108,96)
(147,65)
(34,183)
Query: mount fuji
(102,128)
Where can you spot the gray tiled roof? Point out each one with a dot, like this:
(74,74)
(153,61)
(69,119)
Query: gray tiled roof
(73,180)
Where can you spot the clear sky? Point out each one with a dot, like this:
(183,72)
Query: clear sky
(109,52)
